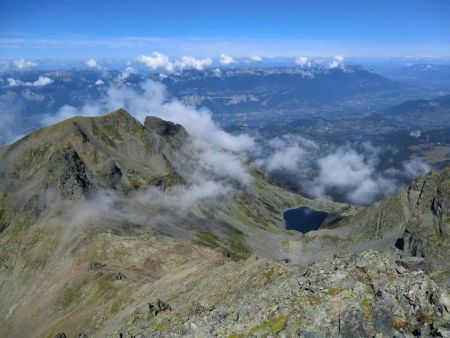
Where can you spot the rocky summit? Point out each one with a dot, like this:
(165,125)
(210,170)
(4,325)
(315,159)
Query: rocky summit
(114,228)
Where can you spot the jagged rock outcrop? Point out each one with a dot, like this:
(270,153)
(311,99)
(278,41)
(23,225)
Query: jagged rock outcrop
(165,128)
(68,174)
(157,307)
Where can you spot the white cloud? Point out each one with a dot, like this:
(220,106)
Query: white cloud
(209,171)
(349,171)
(226,59)
(92,63)
(184,197)
(286,153)
(128,71)
(160,61)
(9,127)
(336,62)
(256,58)
(13,82)
(189,62)
(415,168)
(345,174)
(354,175)
(23,64)
(65,112)
(40,82)
(157,61)
(99,82)
(125,74)
(302,61)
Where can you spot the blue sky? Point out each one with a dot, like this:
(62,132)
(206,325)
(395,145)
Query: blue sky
(97,28)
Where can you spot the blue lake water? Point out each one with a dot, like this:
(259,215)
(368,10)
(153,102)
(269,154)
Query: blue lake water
(304,219)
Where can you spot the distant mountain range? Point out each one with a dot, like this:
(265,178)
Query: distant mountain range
(431,76)
(245,96)
(242,95)
(282,94)
(424,114)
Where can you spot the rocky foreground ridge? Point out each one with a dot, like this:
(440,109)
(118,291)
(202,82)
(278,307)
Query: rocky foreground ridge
(84,254)
(372,294)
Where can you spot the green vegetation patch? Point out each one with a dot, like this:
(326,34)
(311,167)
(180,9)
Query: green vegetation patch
(39,247)
(335,291)
(237,244)
(236,335)
(208,239)
(273,326)
(161,326)
(268,274)
(113,132)
(233,244)
(366,307)
(70,295)
(105,284)
(116,305)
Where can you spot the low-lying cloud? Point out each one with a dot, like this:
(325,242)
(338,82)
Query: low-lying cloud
(286,153)
(157,61)
(356,175)
(352,174)
(256,58)
(92,63)
(302,61)
(40,82)
(24,64)
(126,73)
(189,62)
(226,59)
(337,62)
(210,164)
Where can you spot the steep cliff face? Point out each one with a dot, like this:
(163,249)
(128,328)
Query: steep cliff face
(416,217)
(427,232)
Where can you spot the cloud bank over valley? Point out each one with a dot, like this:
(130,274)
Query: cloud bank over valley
(346,173)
